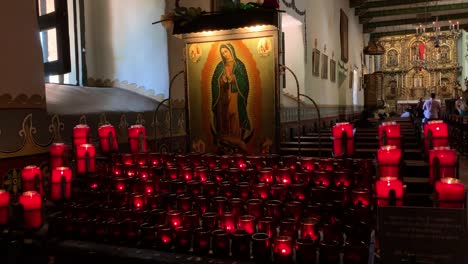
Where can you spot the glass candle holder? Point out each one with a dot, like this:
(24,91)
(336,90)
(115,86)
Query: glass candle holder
(181,160)
(297,191)
(355,252)
(31,179)
(233,175)
(174,218)
(169,201)
(128,159)
(187,173)
(201,241)
(329,252)
(118,170)
(307,163)
(282,249)
(202,204)
(240,247)
(225,161)
(137,201)
(318,194)
(294,210)
(210,188)
(183,239)
(450,193)
(342,178)
(141,159)
(236,206)
(154,158)
(147,235)
(220,243)
(225,189)
(219,204)
(191,219)
(388,159)
(243,190)
(247,223)
(261,248)
(131,170)
(163,185)
(194,187)
(195,158)
(209,221)
(147,187)
(255,161)
(266,175)
(255,208)
(32,209)
(172,173)
(290,162)
(360,196)
(121,184)
(153,201)
(177,186)
(165,235)
(442,162)
(261,191)
(137,138)
(218,174)
(306,251)
(118,198)
(322,178)
(302,177)
(274,209)
(287,227)
(266,225)
(60,183)
(157,217)
(209,159)
(327,164)
(184,202)
(279,192)
(384,186)
(284,176)
(227,222)
(58,155)
(80,134)
(201,174)
(131,229)
(4,203)
(143,172)
(309,228)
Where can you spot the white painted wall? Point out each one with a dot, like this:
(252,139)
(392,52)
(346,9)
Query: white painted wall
(323,26)
(294,50)
(463,58)
(122,45)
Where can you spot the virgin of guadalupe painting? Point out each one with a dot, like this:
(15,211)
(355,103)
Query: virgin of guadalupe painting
(231,96)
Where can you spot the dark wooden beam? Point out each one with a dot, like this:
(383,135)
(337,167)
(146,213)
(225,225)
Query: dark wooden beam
(356,3)
(409,31)
(370,27)
(377,4)
(412,10)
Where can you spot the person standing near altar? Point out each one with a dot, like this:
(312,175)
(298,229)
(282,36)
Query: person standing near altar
(431,109)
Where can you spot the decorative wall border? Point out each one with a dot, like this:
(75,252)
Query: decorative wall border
(22,101)
(98,82)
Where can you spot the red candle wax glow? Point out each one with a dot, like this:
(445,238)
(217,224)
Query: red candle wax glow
(388,158)
(83,151)
(32,204)
(447,159)
(58,155)
(392,132)
(135,134)
(56,180)
(108,139)
(337,133)
(4,202)
(28,179)
(384,185)
(80,134)
(451,193)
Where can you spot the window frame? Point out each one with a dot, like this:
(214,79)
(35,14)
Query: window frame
(58,20)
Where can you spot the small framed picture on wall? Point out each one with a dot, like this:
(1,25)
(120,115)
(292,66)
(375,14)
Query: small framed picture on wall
(332,70)
(316,62)
(324,74)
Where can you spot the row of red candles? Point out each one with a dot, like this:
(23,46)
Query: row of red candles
(450,191)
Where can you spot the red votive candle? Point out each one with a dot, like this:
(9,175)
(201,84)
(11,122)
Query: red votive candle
(4,203)
(174,218)
(290,161)
(80,134)
(58,155)
(184,202)
(240,246)
(233,175)
(58,174)
(141,159)
(391,130)
(209,159)
(218,174)
(108,139)
(118,169)
(255,208)
(297,191)
(255,161)
(307,163)
(450,192)
(342,178)
(446,161)
(261,191)
(32,205)
(384,185)
(29,181)
(148,187)
(337,134)
(187,173)
(224,161)
(172,173)
(137,201)
(201,241)
(261,247)
(266,175)
(240,161)
(201,173)
(247,222)
(127,159)
(322,178)
(154,158)
(137,138)
(121,184)
(389,158)
(282,249)
(294,210)
(243,189)
(274,209)
(85,158)
(227,222)
(284,176)
(308,228)
(265,225)
(279,192)
(360,196)
(165,236)
(439,131)
(287,227)
(183,238)
(220,243)
(143,172)
(130,170)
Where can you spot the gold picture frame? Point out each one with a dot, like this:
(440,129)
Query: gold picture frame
(316,62)
(332,70)
(324,74)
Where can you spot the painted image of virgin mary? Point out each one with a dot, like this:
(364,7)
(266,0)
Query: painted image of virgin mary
(230,91)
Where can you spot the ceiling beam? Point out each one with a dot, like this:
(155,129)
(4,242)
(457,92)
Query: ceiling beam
(363,8)
(412,10)
(409,31)
(370,27)
(356,3)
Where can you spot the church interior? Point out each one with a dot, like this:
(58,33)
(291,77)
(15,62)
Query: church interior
(234,131)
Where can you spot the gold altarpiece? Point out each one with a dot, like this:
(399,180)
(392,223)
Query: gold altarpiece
(408,77)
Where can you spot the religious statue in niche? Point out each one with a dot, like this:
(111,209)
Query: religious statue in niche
(393,87)
(392,58)
(230,91)
(444,82)
(444,54)
(418,80)
(418,51)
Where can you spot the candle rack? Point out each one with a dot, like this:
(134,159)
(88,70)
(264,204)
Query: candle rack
(346,144)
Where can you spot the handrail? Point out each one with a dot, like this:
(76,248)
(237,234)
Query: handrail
(299,121)
(319,120)
(171,82)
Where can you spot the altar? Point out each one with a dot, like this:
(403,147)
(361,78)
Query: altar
(403,104)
